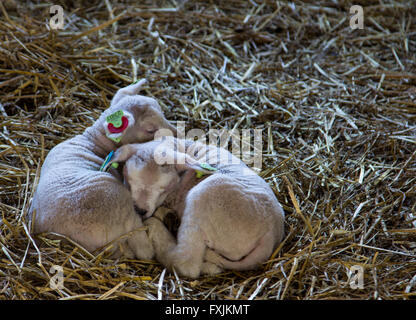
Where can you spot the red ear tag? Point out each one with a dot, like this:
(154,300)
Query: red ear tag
(124,125)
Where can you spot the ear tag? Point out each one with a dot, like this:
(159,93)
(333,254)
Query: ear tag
(104,166)
(116,122)
(115,118)
(116,140)
(205,166)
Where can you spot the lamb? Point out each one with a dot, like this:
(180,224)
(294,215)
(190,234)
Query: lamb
(230,219)
(92,207)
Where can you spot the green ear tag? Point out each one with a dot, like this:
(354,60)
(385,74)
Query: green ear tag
(206,166)
(107,160)
(115,118)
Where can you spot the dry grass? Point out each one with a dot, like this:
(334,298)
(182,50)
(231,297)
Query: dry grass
(338,109)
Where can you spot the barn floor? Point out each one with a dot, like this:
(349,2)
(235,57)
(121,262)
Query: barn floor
(337,109)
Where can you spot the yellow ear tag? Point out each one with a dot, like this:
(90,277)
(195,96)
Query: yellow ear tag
(116,140)
(199,174)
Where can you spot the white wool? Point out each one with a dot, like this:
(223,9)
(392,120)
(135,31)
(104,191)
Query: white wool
(75,199)
(229,219)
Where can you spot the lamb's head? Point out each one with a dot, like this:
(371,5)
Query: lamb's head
(152,170)
(133,118)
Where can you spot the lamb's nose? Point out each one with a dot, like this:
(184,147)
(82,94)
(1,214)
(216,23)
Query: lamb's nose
(140,211)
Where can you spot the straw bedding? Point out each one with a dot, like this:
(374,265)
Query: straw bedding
(337,108)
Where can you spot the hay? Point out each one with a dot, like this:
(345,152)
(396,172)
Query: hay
(337,108)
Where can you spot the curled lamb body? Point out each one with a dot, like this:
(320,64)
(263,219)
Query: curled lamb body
(75,199)
(230,219)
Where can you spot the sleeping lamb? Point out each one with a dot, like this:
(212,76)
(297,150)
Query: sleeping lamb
(230,217)
(92,207)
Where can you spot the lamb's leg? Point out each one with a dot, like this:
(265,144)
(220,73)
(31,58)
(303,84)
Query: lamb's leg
(125,251)
(212,265)
(138,241)
(163,243)
(161,238)
(188,256)
(210,268)
(185,256)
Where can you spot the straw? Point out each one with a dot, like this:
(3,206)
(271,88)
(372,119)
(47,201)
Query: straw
(337,109)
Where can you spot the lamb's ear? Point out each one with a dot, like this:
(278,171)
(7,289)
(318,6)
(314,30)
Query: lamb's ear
(116,124)
(167,153)
(130,90)
(122,154)
(185,162)
(133,88)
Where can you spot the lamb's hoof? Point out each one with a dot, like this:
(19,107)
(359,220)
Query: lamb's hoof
(184,266)
(210,268)
(190,271)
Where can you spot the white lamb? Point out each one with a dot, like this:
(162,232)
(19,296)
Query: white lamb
(229,219)
(92,207)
